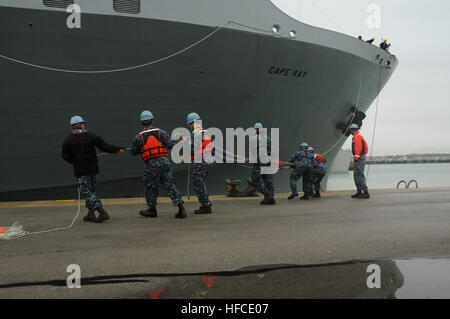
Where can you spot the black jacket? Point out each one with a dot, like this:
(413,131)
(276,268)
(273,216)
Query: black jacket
(79,149)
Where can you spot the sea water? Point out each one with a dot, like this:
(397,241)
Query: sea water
(381,176)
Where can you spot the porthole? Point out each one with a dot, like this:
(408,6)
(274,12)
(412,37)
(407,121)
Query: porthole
(276,29)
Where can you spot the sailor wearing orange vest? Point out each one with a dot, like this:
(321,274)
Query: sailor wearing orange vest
(201,158)
(153,144)
(360,149)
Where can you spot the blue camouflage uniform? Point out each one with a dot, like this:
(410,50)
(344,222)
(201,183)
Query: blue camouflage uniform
(307,175)
(87,185)
(158,171)
(200,171)
(263,182)
(359,151)
(358,174)
(318,173)
(303,168)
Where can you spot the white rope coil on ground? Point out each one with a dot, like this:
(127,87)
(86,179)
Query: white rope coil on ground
(13,232)
(16,230)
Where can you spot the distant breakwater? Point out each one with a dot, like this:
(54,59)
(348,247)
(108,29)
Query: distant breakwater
(411,161)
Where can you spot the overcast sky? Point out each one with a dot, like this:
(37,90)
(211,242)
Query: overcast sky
(414,109)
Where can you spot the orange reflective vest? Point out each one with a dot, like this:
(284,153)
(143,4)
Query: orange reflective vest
(319,158)
(359,146)
(205,146)
(152,144)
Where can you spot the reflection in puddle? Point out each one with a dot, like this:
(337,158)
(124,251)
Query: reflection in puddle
(425,278)
(422,278)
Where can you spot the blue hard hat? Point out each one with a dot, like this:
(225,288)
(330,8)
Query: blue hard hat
(146,116)
(76,120)
(304,145)
(258,126)
(310,149)
(354,127)
(192,117)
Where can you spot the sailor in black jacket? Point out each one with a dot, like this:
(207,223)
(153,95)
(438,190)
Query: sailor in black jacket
(79,149)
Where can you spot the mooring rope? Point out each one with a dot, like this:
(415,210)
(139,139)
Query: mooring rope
(134,67)
(354,114)
(375,123)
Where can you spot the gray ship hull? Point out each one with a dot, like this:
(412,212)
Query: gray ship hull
(232,79)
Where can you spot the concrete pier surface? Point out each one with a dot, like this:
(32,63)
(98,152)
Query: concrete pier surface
(134,257)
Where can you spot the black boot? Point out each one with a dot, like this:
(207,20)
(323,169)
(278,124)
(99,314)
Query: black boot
(365,195)
(181,212)
(150,212)
(102,217)
(203,210)
(90,217)
(305,196)
(264,201)
(293,195)
(317,194)
(270,200)
(357,195)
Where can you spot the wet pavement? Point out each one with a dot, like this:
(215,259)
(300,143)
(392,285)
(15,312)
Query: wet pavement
(399,279)
(424,278)
(297,249)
